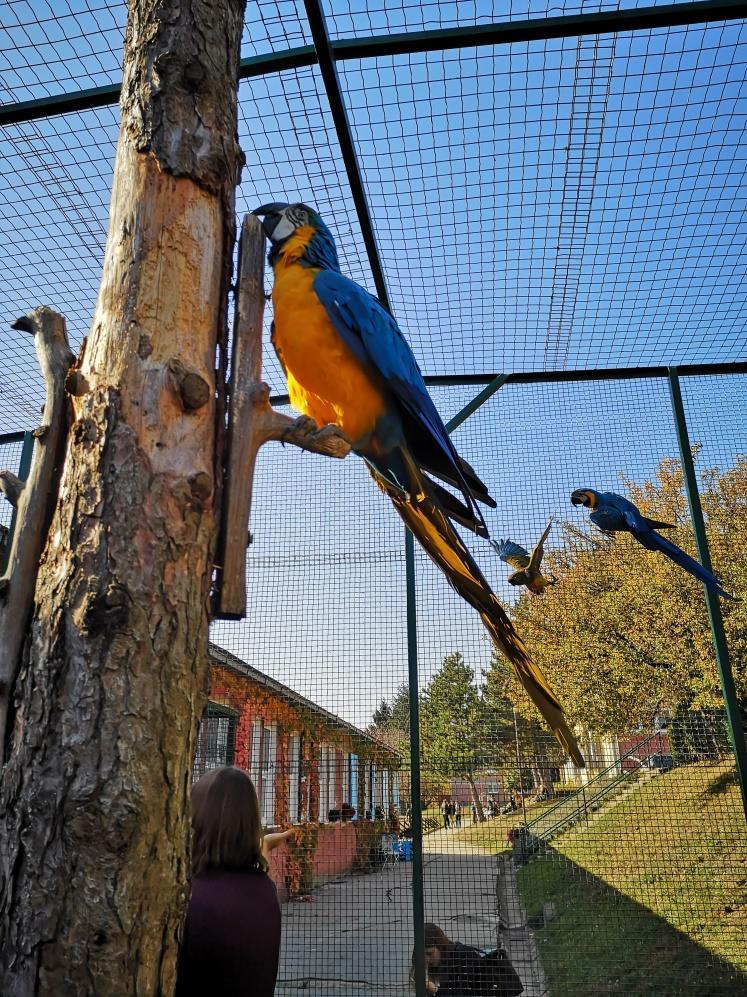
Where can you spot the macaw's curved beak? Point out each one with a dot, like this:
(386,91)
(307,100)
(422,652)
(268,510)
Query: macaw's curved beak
(272,214)
(585,497)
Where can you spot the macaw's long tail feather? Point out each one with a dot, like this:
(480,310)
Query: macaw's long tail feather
(655,524)
(457,510)
(456,472)
(430,525)
(652,541)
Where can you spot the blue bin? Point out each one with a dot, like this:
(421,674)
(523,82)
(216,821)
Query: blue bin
(404,850)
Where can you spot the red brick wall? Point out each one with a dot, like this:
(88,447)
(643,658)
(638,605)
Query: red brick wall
(335,854)
(335,850)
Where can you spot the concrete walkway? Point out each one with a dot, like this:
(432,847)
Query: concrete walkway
(354,935)
(516,936)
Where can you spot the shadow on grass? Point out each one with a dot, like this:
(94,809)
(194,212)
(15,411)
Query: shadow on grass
(721,784)
(601,942)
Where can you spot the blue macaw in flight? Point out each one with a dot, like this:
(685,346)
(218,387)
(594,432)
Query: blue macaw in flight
(614,514)
(346,362)
(528,566)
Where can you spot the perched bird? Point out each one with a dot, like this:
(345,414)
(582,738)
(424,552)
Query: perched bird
(346,362)
(528,565)
(614,514)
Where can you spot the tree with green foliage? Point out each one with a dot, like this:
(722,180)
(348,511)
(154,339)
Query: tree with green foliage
(624,634)
(395,715)
(529,749)
(382,715)
(461,730)
(400,707)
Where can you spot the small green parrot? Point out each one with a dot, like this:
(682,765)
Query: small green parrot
(528,566)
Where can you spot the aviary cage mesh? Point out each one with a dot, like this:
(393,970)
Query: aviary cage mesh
(546,206)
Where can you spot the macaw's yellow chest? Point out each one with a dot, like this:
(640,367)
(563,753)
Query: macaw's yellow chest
(325,379)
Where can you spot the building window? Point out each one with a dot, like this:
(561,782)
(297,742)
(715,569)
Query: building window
(346,780)
(269,762)
(323,783)
(216,740)
(369,790)
(294,777)
(354,802)
(255,755)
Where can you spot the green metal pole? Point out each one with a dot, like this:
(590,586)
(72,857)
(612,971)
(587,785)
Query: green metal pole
(480,398)
(418,899)
(24,466)
(734,720)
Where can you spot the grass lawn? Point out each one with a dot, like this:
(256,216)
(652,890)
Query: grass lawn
(651,898)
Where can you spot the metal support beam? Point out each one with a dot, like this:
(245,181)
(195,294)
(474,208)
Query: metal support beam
(560,376)
(418,898)
(541,28)
(6,438)
(733,717)
(477,401)
(331,80)
(442,40)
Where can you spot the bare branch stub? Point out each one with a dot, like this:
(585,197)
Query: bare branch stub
(253,422)
(11,486)
(35,498)
(302,432)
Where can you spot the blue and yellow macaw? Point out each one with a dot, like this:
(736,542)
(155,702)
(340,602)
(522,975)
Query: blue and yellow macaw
(614,514)
(528,566)
(347,363)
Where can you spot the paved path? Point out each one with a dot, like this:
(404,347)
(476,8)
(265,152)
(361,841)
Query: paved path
(516,936)
(354,936)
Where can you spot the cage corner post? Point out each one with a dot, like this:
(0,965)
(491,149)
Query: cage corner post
(726,675)
(418,898)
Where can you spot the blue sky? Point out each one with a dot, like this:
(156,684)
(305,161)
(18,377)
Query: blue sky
(564,204)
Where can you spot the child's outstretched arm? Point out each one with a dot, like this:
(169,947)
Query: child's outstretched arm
(271,841)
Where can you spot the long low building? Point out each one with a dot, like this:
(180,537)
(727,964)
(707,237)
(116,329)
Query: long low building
(310,767)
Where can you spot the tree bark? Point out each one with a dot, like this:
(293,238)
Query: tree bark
(95,793)
(475,797)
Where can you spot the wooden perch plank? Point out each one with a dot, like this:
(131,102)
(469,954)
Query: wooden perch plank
(35,501)
(252,422)
(241,446)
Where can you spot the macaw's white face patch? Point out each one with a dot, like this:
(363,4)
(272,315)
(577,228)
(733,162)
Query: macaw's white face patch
(283,229)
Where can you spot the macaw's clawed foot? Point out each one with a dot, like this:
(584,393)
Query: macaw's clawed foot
(300,427)
(330,432)
(303,432)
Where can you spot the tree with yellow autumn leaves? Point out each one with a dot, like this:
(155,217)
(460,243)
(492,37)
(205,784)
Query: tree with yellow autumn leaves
(624,635)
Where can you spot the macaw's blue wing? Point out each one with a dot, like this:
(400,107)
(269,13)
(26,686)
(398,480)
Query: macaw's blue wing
(375,339)
(512,553)
(652,541)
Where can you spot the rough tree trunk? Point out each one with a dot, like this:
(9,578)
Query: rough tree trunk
(94,817)
(475,797)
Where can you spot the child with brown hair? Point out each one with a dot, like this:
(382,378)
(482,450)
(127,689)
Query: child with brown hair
(231,941)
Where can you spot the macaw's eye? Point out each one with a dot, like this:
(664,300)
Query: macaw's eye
(299,216)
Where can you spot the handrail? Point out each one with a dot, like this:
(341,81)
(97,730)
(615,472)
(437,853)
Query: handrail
(574,814)
(597,777)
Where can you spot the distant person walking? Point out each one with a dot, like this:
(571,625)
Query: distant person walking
(457,813)
(445,814)
(473,810)
(231,940)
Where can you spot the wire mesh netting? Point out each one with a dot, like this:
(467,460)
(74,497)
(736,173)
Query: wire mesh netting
(591,881)
(558,204)
(564,203)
